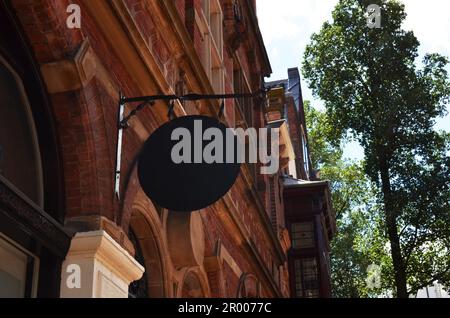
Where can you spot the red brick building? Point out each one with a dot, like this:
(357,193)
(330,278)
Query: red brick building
(64,232)
(59,93)
(308,210)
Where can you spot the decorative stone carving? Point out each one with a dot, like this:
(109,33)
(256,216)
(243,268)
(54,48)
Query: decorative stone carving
(221,254)
(30,216)
(249,286)
(185,238)
(70,74)
(234,25)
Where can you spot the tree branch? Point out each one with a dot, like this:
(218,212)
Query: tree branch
(432,280)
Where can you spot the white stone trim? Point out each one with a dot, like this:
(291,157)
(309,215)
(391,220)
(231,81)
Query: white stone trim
(106,268)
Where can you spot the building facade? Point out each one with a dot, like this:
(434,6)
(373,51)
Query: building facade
(308,211)
(64,233)
(436,290)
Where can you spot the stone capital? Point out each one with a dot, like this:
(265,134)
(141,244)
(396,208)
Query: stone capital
(105,268)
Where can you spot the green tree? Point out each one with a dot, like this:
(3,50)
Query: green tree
(372,89)
(357,243)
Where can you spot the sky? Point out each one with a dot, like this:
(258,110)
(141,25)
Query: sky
(287,26)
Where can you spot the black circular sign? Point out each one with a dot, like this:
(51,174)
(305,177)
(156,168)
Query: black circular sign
(189,163)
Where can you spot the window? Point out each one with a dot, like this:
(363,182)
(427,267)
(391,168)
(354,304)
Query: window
(29,171)
(18,139)
(17,271)
(240,87)
(211,27)
(216,26)
(327,261)
(302,235)
(306,278)
(243,109)
(205,8)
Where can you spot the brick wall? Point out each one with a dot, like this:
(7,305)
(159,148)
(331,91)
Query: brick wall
(86,123)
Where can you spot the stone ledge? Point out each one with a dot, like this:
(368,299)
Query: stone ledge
(100,245)
(106,269)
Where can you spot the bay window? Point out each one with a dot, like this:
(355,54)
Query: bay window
(302,235)
(306,278)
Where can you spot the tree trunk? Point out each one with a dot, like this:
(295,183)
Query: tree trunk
(391,224)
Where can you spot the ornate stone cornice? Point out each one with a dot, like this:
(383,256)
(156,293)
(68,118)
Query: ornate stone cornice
(33,219)
(100,246)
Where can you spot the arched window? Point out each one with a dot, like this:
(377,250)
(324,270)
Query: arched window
(139,288)
(20,160)
(33,242)
(249,287)
(20,166)
(192,287)
(23,263)
(148,252)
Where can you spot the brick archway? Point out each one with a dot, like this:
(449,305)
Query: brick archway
(147,227)
(86,146)
(249,286)
(194,285)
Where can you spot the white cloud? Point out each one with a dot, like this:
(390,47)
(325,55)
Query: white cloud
(291,19)
(288,25)
(430,22)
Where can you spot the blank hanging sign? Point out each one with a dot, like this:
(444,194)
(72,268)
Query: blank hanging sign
(189,163)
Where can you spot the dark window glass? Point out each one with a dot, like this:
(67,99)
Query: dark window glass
(17,271)
(20,161)
(306,278)
(302,235)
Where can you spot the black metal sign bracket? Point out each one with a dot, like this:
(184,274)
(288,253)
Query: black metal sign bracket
(144,101)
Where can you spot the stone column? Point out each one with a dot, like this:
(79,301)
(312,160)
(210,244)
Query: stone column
(96,266)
